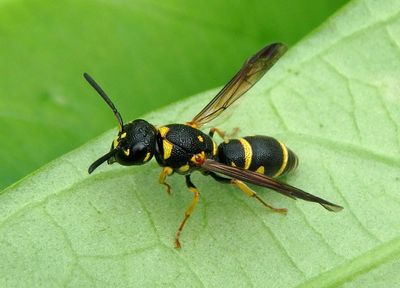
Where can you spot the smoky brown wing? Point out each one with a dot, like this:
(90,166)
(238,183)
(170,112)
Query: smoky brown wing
(252,71)
(268,182)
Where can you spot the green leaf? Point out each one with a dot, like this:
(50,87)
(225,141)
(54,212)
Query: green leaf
(333,98)
(146,54)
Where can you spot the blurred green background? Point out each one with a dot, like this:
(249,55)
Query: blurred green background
(145,54)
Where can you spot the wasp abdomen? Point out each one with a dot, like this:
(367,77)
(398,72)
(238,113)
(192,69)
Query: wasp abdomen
(261,154)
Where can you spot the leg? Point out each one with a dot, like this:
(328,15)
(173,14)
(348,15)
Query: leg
(222,134)
(189,211)
(166,171)
(247,190)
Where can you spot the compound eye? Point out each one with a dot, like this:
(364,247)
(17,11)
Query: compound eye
(131,155)
(139,151)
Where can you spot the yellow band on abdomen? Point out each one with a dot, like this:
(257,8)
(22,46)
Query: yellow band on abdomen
(248,152)
(284,159)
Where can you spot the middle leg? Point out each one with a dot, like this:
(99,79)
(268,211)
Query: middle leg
(189,210)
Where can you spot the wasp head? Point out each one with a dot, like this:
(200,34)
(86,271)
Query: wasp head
(135,143)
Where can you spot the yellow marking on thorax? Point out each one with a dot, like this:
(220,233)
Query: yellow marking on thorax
(127,151)
(215,148)
(200,138)
(167,147)
(233,164)
(284,161)
(147,157)
(260,170)
(248,153)
(163,131)
(123,135)
(184,168)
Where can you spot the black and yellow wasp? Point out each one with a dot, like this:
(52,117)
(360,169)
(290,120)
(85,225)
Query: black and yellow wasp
(183,148)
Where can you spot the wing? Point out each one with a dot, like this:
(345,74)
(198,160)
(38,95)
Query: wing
(252,71)
(268,182)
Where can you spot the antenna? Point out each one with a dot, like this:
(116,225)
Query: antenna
(106,98)
(102,159)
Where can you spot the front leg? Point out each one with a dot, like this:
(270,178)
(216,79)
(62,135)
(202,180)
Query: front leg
(166,171)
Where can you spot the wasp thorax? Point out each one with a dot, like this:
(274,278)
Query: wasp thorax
(135,145)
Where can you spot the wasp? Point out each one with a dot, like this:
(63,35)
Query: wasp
(184,148)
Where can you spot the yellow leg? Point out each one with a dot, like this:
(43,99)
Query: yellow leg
(249,192)
(222,134)
(189,210)
(166,171)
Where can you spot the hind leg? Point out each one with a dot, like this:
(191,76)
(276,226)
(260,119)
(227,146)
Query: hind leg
(247,190)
